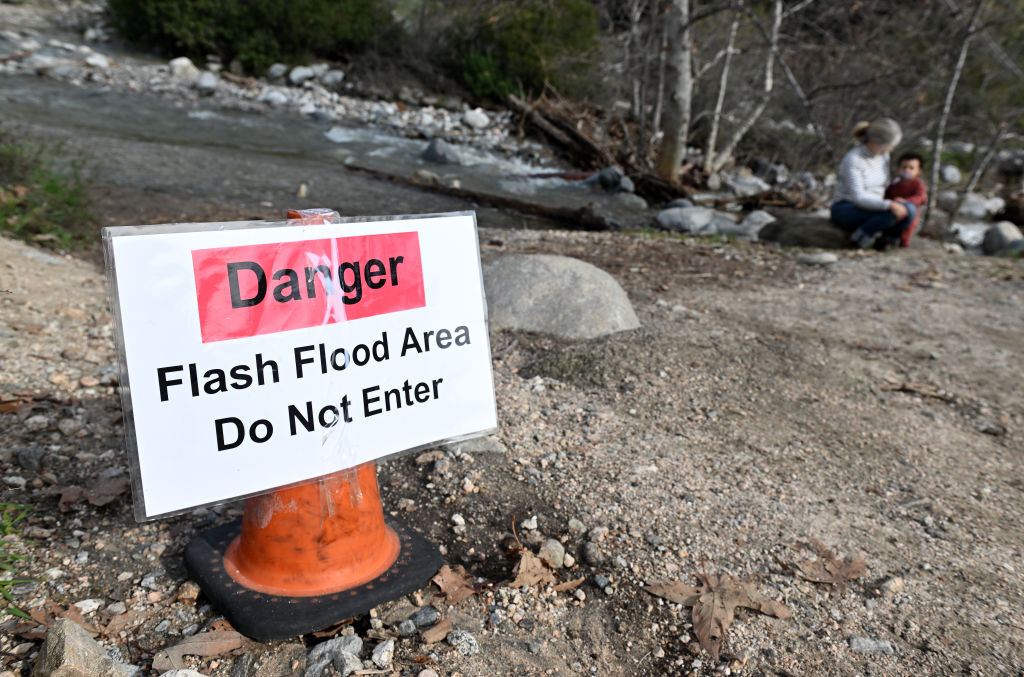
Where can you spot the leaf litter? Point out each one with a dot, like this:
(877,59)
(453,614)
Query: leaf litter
(829,568)
(714,605)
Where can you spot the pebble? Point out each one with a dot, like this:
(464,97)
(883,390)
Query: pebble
(458,520)
(427,673)
(592,553)
(576,527)
(529,524)
(553,553)
(30,458)
(87,606)
(598,534)
(425,617)
(37,423)
(818,258)
(872,647)
(463,642)
(601,581)
(407,628)
(892,586)
(383,653)
(476,118)
(568,561)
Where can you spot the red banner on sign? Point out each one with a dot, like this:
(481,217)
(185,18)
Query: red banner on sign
(263,289)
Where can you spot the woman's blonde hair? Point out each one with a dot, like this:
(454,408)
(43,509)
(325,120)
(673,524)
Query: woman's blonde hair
(883,131)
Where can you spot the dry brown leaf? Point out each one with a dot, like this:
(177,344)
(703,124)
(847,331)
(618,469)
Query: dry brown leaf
(829,568)
(569,585)
(455,583)
(437,632)
(207,644)
(530,570)
(714,605)
(15,405)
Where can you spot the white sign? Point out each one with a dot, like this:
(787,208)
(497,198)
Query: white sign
(257,355)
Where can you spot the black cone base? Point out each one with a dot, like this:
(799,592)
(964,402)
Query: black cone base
(267,617)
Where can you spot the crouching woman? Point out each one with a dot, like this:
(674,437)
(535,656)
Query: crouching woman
(858,206)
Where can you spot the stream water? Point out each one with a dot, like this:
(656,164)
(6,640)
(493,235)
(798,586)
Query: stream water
(296,144)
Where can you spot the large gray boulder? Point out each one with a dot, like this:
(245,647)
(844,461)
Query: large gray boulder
(1000,237)
(804,230)
(555,295)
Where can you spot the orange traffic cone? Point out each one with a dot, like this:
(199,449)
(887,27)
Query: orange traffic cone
(307,556)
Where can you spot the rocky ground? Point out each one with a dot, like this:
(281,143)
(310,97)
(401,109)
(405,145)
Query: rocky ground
(767,403)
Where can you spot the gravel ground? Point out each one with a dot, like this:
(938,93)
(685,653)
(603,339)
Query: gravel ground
(869,405)
(765,404)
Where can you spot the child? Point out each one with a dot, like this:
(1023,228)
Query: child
(909,188)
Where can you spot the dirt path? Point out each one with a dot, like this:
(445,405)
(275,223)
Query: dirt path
(871,405)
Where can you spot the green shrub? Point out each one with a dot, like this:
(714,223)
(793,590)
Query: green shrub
(256,32)
(40,201)
(507,47)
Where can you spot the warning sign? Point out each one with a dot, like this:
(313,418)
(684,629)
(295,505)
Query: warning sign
(256,355)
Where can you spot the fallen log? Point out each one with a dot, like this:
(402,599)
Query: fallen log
(580,218)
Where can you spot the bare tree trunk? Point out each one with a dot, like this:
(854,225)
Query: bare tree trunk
(769,82)
(659,100)
(722,84)
(993,146)
(677,110)
(954,78)
(636,12)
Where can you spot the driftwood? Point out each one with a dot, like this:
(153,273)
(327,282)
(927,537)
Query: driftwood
(581,218)
(565,130)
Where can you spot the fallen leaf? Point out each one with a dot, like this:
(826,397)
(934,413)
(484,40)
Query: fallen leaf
(20,191)
(828,568)
(530,570)
(714,605)
(569,585)
(437,632)
(18,403)
(108,490)
(207,644)
(455,583)
(122,622)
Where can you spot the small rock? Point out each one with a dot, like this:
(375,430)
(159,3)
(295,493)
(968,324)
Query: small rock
(463,642)
(458,520)
(441,152)
(383,653)
(70,651)
(568,561)
(181,672)
(87,606)
(88,381)
(69,426)
(206,83)
(818,258)
(592,553)
(97,61)
(425,617)
(183,68)
(529,524)
(553,553)
(300,74)
(476,118)
(872,647)
(619,562)
(407,628)
(892,586)
(188,592)
(950,174)
(598,534)
(427,673)
(576,527)
(274,97)
(30,458)
(679,202)
(601,581)
(277,71)
(332,79)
